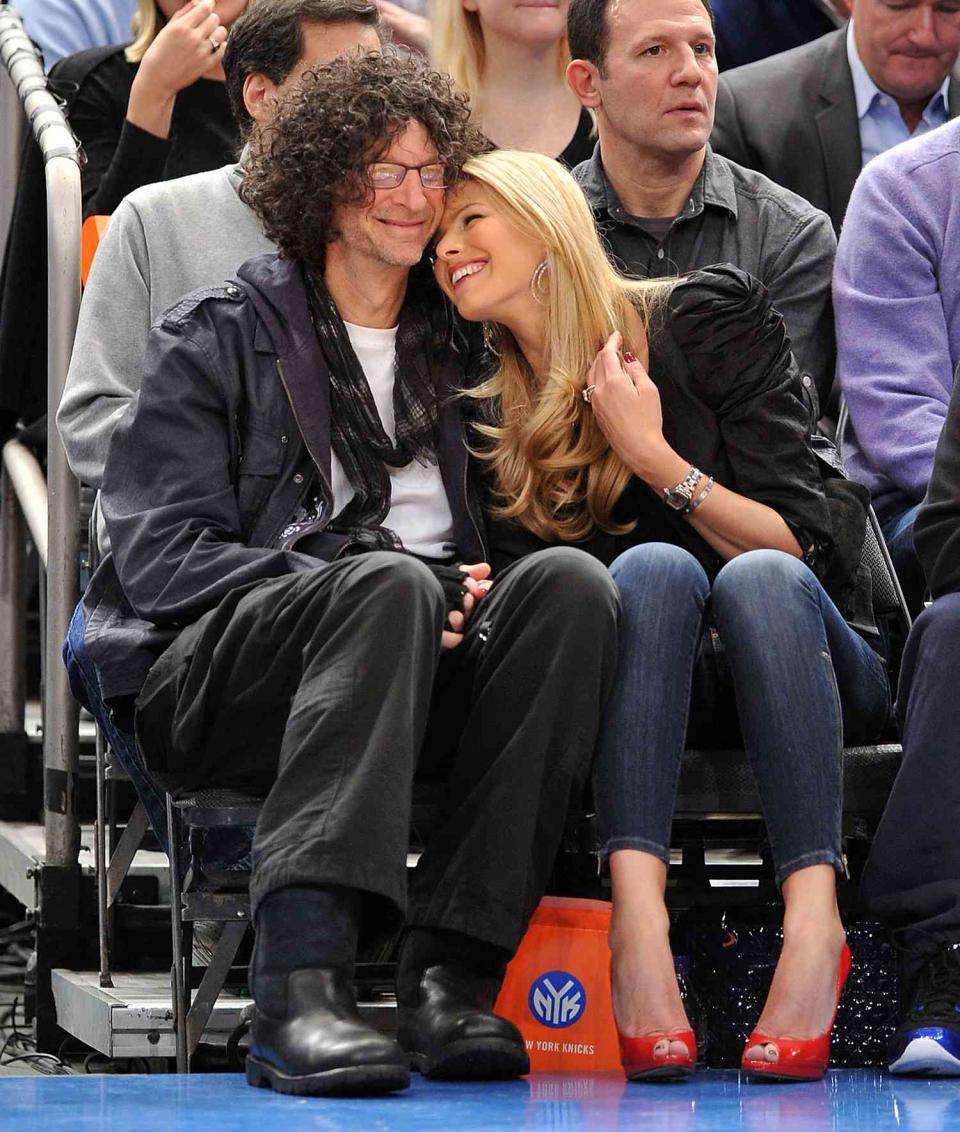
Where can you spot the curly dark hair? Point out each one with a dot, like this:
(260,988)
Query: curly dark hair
(343,115)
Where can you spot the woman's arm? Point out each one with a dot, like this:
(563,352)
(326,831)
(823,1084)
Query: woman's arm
(124,129)
(626,404)
(188,48)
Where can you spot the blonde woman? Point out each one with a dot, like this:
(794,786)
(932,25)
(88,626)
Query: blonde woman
(156,109)
(677,453)
(510,57)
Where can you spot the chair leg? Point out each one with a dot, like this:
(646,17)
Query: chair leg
(100,857)
(180,992)
(212,983)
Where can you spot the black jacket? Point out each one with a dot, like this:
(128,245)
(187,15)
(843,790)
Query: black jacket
(229,435)
(732,401)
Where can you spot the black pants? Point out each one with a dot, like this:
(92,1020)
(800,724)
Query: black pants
(912,877)
(317,687)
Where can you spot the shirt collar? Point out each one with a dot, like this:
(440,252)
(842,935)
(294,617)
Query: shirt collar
(714,186)
(866,90)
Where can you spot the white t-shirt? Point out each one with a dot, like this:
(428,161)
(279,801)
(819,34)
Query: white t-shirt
(419,511)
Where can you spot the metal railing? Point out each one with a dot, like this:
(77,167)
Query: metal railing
(51,509)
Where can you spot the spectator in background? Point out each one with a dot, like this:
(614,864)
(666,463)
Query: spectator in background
(171,237)
(811,118)
(152,111)
(912,877)
(748,30)
(511,60)
(64,27)
(664,201)
(897,298)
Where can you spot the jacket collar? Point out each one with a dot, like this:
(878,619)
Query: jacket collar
(713,188)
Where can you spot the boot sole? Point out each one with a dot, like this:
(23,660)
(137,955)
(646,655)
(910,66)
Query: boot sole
(484,1059)
(353,1080)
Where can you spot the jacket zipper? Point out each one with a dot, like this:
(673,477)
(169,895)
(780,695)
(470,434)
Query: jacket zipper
(320,524)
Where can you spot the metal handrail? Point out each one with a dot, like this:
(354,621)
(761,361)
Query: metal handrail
(30,487)
(62,175)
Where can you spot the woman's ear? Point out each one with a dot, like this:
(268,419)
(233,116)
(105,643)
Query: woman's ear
(582,77)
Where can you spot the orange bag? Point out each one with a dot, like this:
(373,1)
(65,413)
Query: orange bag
(557,988)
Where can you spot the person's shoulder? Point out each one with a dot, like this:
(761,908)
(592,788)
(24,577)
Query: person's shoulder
(103,60)
(721,321)
(767,195)
(201,307)
(779,72)
(721,289)
(208,189)
(923,156)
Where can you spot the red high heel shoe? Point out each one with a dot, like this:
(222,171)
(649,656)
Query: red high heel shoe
(801,1059)
(641,1062)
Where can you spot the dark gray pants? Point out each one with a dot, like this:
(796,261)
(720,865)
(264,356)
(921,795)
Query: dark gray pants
(912,877)
(317,687)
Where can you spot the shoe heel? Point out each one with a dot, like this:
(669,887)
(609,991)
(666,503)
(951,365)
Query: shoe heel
(799,1059)
(255,1075)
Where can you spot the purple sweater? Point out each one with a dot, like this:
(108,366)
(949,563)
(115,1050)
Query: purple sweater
(896,293)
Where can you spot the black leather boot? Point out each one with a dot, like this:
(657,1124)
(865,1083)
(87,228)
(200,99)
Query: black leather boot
(447,985)
(307,1036)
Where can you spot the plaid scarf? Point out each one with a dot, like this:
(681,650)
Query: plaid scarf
(425,361)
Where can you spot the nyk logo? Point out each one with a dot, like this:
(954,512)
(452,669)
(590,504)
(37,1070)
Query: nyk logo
(557,999)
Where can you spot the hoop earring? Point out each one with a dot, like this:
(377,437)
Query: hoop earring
(536,281)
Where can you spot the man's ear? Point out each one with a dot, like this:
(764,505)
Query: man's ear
(582,77)
(258,95)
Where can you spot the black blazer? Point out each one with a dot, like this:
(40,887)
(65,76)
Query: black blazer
(793,117)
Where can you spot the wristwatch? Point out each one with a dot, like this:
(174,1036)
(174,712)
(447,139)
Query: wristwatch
(679,497)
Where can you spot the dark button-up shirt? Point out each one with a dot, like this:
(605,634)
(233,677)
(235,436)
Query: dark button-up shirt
(734,215)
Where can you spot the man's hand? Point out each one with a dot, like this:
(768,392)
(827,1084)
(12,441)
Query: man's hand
(476,582)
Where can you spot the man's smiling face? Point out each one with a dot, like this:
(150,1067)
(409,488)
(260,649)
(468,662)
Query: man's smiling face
(393,226)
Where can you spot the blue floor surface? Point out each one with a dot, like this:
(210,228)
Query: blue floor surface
(859,1101)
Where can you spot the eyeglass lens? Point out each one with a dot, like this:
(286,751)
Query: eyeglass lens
(388,175)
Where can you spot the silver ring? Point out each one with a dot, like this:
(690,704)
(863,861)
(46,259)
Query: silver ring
(587,392)
(214,45)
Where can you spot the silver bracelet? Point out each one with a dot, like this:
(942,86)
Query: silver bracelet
(695,503)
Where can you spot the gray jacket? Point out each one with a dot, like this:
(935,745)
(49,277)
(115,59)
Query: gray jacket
(793,117)
(163,241)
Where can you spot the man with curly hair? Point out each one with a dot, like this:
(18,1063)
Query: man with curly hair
(296,595)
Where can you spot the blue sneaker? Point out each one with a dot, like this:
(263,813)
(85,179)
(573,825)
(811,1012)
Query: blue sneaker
(927,1041)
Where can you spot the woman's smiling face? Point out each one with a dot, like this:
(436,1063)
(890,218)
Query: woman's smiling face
(484,264)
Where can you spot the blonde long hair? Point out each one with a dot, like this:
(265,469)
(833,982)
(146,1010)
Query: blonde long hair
(457,47)
(555,472)
(147,24)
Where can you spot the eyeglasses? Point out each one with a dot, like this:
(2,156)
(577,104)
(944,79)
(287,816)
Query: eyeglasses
(390,174)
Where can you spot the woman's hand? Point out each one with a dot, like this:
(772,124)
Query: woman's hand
(190,46)
(626,404)
(407,28)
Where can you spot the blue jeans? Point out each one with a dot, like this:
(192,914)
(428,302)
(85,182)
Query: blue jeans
(86,689)
(802,678)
